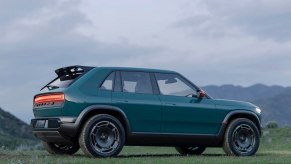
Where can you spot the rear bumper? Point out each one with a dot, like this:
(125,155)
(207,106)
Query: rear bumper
(61,130)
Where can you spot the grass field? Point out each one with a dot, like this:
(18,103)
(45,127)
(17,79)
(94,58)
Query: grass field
(275,148)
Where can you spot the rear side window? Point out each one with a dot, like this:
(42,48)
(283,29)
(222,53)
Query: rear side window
(136,82)
(108,82)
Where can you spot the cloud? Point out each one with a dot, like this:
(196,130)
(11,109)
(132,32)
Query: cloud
(46,38)
(265,19)
(211,42)
(13,10)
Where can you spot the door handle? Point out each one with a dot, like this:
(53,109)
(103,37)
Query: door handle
(170,104)
(120,101)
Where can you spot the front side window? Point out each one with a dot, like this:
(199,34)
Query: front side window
(173,84)
(108,82)
(136,82)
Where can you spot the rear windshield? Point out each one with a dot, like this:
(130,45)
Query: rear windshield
(65,79)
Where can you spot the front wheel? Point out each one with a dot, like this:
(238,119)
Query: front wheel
(102,136)
(59,149)
(191,150)
(241,138)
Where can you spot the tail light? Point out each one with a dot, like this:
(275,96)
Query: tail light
(49,100)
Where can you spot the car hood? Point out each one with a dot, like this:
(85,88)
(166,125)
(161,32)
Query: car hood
(234,103)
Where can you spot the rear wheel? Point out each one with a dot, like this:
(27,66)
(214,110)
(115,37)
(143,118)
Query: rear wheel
(102,136)
(241,138)
(190,150)
(59,149)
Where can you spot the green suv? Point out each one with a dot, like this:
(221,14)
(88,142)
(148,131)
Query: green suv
(101,109)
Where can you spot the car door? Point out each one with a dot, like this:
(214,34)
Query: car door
(134,95)
(183,111)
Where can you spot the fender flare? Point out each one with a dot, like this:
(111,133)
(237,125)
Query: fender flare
(226,118)
(91,108)
(230,114)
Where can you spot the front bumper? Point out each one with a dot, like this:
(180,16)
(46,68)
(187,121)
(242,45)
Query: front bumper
(62,130)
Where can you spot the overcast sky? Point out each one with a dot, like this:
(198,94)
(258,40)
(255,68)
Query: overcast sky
(239,42)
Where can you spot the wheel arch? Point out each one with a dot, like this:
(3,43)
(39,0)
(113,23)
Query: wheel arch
(102,109)
(243,114)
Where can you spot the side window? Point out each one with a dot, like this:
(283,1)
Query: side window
(136,82)
(108,82)
(173,84)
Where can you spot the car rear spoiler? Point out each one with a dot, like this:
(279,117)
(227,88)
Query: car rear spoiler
(72,69)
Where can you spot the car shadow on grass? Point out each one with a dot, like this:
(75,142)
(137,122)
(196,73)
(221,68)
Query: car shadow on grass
(178,155)
(131,156)
(164,155)
(150,155)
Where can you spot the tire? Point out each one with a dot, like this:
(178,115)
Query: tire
(102,136)
(58,149)
(190,150)
(241,138)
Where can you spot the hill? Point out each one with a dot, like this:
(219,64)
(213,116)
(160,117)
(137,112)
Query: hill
(275,101)
(254,92)
(14,132)
(276,108)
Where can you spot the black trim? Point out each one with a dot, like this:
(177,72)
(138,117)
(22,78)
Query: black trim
(154,84)
(163,139)
(222,131)
(230,114)
(176,139)
(53,137)
(67,70)
(117,82)
(239,112)
(55,130)
(98,107)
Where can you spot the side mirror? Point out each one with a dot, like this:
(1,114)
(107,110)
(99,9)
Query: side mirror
(201,94)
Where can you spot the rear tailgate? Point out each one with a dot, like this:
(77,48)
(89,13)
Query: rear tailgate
(51,100)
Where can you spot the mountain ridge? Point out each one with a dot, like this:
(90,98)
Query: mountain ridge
(256,91)
(275,100)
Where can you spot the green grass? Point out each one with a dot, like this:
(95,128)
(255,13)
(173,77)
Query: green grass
(275,148)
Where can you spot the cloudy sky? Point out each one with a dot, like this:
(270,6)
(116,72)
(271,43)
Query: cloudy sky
(211,42)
